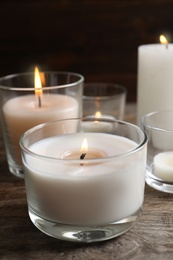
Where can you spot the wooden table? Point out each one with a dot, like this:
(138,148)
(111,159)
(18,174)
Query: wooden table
(151,238)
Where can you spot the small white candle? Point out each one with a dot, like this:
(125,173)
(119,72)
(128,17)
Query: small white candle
(155,80)
(163,166)
(84,192)
(99,115)
(98,126)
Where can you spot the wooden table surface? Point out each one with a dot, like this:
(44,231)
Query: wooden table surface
(151,237)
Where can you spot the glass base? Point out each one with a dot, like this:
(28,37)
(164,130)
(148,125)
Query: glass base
(159,184)
(17,171)
(83,234)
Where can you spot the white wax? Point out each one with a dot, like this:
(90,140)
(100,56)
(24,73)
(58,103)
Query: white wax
(89,194)
(101,116)
(163,166)
(155,78)
(22,113)
(97,126)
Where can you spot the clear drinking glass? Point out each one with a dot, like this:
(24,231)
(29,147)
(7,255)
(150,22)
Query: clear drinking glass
(84,186)
(159,128)
(105,100)
(22,106)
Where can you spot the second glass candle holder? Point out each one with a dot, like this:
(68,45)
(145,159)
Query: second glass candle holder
(104,100)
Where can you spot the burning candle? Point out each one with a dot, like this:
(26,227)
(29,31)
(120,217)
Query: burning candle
(22,113)
(98,115)
(25,111)
(83,182)
(155,81)
(97,125)
(79,185)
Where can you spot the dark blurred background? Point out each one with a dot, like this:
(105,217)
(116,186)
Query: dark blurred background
(98,39)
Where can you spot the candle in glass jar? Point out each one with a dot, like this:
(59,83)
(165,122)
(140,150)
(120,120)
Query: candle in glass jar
(90,191)
(23,112)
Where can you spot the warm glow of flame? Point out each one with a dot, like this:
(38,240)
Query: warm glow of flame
(98,114)
(84,147)
(43,79)
(37,82)
(163,39)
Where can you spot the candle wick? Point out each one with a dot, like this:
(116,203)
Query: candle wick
(82,156)
(39,101)
(167,46)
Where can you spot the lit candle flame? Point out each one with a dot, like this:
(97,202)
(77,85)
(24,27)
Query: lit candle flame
(84,147)
(38,85)
(98,114)
(163,39)
(37,82)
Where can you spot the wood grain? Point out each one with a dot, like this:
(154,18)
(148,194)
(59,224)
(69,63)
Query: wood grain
(151,237)
(98,39)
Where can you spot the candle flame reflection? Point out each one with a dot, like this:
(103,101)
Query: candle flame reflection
(163,39)
(84,147)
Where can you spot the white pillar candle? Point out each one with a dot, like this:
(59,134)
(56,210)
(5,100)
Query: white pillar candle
(155,78)
(22,113)
(84,192)
(163,166)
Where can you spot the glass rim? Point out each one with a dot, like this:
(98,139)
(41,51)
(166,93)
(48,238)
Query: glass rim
(152,127)
(106,97)
(15,75)
(129,152)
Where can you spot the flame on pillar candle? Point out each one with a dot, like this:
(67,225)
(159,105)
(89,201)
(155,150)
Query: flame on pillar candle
(38,85)
(163,40)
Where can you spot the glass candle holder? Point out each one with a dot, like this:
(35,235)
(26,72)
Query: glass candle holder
(84,186)
(104,100)
(23,106)
(159,128)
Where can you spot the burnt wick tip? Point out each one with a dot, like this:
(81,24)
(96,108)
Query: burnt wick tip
(82,156)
